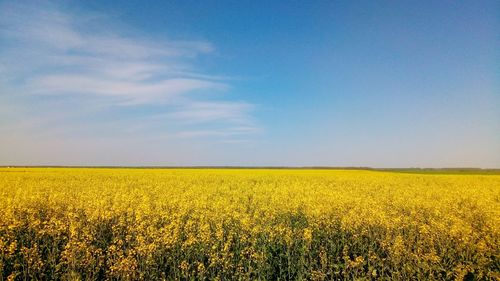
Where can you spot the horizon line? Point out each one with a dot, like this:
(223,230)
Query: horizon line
(249,167)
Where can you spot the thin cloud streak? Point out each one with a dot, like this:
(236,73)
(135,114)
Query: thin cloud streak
(234,131)
(201,112)
(131,92)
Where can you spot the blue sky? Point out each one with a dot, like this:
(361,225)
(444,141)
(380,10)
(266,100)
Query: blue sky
(298,83)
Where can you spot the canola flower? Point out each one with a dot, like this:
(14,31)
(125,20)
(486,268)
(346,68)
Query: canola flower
(257,224)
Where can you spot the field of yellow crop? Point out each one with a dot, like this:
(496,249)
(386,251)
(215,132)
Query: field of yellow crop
(250,224)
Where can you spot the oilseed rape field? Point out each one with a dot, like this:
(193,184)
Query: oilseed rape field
(247,224)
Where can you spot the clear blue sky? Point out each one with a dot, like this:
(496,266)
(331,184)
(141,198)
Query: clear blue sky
(294,83)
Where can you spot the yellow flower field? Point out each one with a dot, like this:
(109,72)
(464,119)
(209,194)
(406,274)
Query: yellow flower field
(247,224)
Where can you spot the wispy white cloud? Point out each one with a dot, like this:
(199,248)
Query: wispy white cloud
(232,131)
(211,111)
(64,65)
(131,92)
(63,56)
(51,27)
